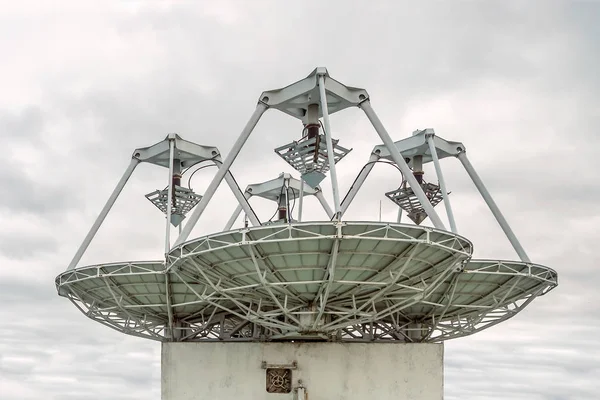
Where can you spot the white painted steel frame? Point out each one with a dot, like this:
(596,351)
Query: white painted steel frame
(105,210)
(487,197)
(330,154)
(446,297)
(251,191)
(442,181)
(152,155)
(252,284)
(324,204)
(290,100)
(236,213)
(223,170)
(169,196)
(399,160)
(358,182)
(301,202)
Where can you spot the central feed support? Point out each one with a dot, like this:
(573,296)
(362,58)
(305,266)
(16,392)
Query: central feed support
(301,371)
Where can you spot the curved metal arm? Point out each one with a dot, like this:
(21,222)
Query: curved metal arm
(358,182)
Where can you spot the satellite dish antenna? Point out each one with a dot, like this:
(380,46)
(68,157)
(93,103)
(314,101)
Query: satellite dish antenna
(298,303)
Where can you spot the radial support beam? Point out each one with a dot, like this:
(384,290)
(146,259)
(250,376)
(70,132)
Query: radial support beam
(399,160)
(358,182)
(236,213)
(267,286)
(440,175)
(323,293)
(170,196)
(324,203)
(462,156)
(100,219)
(330,153)
(214,184)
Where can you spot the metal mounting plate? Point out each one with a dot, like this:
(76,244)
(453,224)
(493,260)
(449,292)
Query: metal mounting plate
(294,99)
(272,189)
(187,152)
(416,145)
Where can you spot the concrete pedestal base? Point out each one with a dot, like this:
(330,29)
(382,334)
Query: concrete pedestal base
(315,371)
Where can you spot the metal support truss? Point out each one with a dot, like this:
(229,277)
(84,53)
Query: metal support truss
(170,195)
(301,202)
(173,150)
(105,210)
(440,175)
(512,238)
(324,203)
(260,292)
(241,198)
(450,297)
(399,160)
(223,170)
(290,280)
(273,190)
(358,182)
(236,213)
(321,73)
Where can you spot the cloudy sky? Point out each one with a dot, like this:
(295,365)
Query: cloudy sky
(84,83)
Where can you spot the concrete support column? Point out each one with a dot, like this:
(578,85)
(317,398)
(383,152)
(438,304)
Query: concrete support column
(315,371)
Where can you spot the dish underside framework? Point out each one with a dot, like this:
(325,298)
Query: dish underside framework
(389,282)
(286,279)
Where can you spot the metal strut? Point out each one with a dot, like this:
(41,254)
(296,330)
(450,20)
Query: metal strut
(440,175)
(330,153)
(512,238)
(214,184)
(100,219)
(399,160)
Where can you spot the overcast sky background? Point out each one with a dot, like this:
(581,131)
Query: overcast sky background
(84,83)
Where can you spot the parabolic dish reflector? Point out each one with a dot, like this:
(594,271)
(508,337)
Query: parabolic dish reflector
(309,281)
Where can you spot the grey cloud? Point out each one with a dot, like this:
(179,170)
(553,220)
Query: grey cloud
(26,246)
(501,77)
(25,191)
(28,124)
(55,354)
